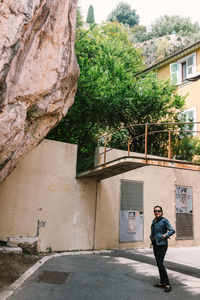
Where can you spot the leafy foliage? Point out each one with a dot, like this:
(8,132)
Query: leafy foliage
(184,145)
(139,34)
(90,15)
(124,14)
(166,25)
(173,24)
(110,96)
(79,18)
(187,148)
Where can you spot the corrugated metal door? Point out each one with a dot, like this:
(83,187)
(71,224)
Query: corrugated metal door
(184,215)
(131,211)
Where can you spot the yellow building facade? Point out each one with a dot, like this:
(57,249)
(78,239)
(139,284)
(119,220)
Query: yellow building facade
(183,70)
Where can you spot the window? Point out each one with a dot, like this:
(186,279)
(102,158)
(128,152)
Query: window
(189,115)
(183,69)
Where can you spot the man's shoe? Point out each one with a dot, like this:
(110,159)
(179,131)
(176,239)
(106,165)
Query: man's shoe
(168,288)
(159,285)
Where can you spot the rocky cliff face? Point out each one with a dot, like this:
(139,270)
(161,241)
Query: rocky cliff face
(38,73)
(157,49)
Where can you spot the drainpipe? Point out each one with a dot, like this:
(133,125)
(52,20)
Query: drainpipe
(95,216)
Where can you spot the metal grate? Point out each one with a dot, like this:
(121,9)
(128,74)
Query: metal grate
(131,195)
(184,226)
(54,277)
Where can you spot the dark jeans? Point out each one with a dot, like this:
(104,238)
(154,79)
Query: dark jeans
(159,252)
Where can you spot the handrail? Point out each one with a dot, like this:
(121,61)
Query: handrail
(149,124)
(147,132)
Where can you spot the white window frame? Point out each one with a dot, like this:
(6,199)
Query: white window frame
(179,68)
(186,112)
(175,74)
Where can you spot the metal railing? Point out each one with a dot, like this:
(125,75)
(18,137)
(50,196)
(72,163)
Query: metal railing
(146,133)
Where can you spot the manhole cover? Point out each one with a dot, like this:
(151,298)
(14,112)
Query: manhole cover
(54,277)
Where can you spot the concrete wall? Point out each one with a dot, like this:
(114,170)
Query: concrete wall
(43,198)
(159,189)
(43,189)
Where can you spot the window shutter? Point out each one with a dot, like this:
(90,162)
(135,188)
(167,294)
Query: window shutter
(174,73)
(190,116)
(131,195)
(190,62)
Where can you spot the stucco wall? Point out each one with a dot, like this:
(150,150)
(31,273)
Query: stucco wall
(198,60)
(164,72)
(43,188)
(159,189)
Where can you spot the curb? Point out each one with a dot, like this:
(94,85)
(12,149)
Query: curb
(17,283)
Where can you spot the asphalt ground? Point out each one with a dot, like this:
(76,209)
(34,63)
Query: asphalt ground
(114,275)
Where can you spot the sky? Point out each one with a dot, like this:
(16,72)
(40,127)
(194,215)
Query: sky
(148,10)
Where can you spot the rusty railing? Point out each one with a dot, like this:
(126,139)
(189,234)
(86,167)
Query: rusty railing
(147,132)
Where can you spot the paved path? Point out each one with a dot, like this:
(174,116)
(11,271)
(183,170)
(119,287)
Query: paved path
(116,275)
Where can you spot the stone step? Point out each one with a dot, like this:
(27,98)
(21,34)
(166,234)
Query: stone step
(7,250)
(18,244)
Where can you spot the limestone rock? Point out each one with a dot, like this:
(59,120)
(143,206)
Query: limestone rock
(38,73)
(27,244)
(157,49)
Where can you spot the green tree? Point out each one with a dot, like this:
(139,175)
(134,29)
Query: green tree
(173,24)
(124,14)
(79,18)
(90,15)
(187,148)
(139,34)
(109,95)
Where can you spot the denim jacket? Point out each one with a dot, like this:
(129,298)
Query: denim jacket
(161,227)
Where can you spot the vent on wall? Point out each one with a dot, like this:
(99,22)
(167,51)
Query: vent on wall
(131,195)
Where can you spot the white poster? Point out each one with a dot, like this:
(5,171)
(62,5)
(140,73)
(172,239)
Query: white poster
(183,199)
(132,228)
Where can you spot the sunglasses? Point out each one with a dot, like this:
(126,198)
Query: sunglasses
(157,210)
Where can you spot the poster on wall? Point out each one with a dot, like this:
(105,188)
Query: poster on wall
(183,199)
(132,227)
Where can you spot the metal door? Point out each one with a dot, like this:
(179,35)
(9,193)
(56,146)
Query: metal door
(131,211)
